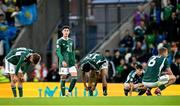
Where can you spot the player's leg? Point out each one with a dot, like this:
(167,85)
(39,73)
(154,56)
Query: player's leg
(63,81)
(63,72)
(164,81)
(13,84)
(93,80)
(104,74)
(73,72)
(20,83)
(126,88)
(148,86)
(90,84)
(10,69)
(141,89)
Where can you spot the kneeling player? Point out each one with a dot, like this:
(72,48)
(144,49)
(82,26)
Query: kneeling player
(134,81)
(94,66)
(158,73)
(17,62)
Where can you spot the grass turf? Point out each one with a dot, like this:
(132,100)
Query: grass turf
(94,101)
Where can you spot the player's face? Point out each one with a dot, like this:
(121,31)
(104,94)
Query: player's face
(65,32)
(31,60)
(166,53)
(139,72)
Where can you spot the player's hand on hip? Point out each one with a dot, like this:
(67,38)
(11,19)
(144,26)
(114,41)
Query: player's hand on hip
(64,64)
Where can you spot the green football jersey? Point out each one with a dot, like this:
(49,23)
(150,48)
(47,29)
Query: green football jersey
(65,51)
(95,60)
(155,66)
(18,57)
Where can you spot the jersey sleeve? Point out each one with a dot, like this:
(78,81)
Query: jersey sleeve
(58,51)
(25,67)
(166,64)
(130,77)
(20,62)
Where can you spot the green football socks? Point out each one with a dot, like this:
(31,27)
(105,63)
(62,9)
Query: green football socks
(126,92)
(141,92)
(20,89)
(63,88)
(72,84)
(14,91)
(162,87)
(105,90)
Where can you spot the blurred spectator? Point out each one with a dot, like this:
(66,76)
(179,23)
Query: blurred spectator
(3,78)
(108,55)
(140,31)
(35,75)
(120,70)
(160,37)
(140,15)
(172,34)
(150,39)
(7,33)
(53,75)
(175,66)
(137,51)
(43,72)
(166,14)
(3,7)
(111,67)
(155,15)
(40,72)
(173,52)
(10,9)
(27,13)
(116,57)
(128,55)
(128,40)
(1,52)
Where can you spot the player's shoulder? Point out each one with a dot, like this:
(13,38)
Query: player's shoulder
(60,39)
(133,71)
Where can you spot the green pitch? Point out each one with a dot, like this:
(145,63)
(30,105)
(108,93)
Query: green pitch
(94,101)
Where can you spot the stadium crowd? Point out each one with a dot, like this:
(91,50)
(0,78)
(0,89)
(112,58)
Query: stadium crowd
(153,30)
(14,15)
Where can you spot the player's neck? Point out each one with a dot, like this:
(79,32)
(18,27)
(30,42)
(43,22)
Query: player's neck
(65,38)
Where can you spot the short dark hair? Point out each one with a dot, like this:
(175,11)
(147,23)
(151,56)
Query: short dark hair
(138,65)
(65,27)
(87,67)
(107,50)
(36,58)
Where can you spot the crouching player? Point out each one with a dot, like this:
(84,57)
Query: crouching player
(94,66)
(158,73)
(134,81)
(17,62)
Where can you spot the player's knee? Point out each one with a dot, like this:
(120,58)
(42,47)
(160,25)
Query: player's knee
(13,84)
(104,72)
(63,77)
(21,80)
(126,86)
(173,78)
(104,83)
